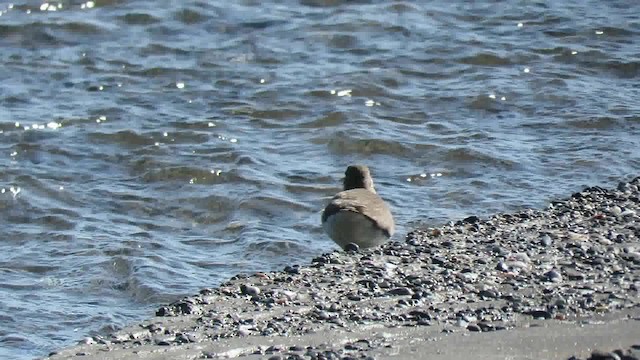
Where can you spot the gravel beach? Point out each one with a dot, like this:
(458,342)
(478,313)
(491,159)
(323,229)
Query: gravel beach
(558,283)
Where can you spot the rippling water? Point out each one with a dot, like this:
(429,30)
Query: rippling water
(151,148)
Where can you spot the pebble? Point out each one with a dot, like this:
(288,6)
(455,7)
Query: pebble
(401,291)
(615,210)
(87,341)
(600,355)
(474,328)
(163,341)
(247,289)
(351,247)
(502,266)
(573,274)
(553,276)
(546,240)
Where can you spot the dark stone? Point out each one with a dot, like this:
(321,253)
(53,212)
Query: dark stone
(553,276)
(447,244)
(207,292)
(474,328)
(489,294)
(484,326)
(352,247)
(400,291)
(163,342)
(420,314)
(163,311)
(573,274)
(471,219)
(600,355)
(539,314)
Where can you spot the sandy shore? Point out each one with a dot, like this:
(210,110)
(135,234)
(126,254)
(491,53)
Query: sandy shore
(538,284)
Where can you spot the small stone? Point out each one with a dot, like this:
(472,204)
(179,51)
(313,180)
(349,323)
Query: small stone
(323,315)
(553,276)
(351,247)
(502,266)
(601,355)
(546,240)
(521,257)
(163,341)
(622,186)
(518,265)
(488,293)
(474,328)
(400,291)
(498,250)
(615,210)
(87,341)
(573,274)
(484,326)
(461,323)
(247,289)
(539,314)
(628,212)
(471,219)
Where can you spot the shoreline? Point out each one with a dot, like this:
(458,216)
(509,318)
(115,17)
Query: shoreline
(552,283)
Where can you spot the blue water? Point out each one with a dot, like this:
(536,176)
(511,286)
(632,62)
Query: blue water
(152,148)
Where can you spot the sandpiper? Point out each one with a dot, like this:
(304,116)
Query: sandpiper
(357,217)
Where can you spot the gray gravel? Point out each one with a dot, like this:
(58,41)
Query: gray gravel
(573,262)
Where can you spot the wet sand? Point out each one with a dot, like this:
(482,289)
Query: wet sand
(537,284)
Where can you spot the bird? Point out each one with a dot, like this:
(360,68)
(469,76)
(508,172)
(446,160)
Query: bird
(357,217)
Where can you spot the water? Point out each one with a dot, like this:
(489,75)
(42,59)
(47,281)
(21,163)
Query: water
(152,148)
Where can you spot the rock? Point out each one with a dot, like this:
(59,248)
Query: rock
(400,291)
(540,314)
(615,210)
(489,294)
(502,266)
(553,276)
(573,274)
(438,260)
(600,355)
(474,328)
(352,248)
(545,240)
(247,289)
(471,219)
(163,341)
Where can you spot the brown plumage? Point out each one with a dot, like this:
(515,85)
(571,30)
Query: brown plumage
(357,214)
